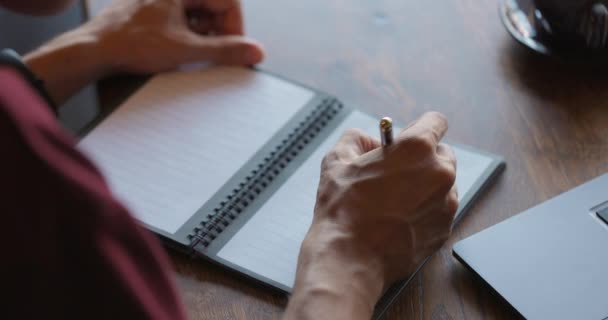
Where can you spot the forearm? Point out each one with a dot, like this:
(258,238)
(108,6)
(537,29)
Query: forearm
(68,63)
(333,284)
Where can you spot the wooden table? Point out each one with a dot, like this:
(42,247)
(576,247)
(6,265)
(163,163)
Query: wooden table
(401,58)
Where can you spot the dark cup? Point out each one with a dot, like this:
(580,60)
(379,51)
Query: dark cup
(576,24)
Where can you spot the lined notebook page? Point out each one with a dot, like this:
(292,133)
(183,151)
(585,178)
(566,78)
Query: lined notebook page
(176,141)
(269,243)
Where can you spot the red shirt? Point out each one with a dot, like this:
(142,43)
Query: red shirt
(70,249)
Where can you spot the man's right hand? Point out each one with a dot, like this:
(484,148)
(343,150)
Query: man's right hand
(380,212)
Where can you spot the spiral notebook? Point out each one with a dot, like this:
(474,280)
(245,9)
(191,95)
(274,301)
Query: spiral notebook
(223,163)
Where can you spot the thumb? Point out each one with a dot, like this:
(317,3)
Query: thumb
(230,50)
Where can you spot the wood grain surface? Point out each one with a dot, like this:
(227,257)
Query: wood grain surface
(402,58)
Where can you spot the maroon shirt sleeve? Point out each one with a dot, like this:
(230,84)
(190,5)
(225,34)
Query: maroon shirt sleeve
(70,250)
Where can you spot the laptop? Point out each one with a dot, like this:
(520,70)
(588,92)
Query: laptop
(551,261)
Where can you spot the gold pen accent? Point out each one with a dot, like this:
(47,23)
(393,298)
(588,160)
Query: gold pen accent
(386,131)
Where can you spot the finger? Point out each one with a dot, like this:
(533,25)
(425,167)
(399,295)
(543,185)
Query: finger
(231,22)
(447,155)
(219,16)
(353,144)
(212,5)
(432,126)
(203,22)
(230,50)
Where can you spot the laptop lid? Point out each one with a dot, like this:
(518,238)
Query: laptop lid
(551,261)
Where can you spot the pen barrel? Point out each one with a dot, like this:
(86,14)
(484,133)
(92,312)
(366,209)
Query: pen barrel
(387,137)
(386,131)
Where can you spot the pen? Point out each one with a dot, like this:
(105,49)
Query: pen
(386,131)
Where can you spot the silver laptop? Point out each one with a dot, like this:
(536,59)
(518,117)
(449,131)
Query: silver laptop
(551,261)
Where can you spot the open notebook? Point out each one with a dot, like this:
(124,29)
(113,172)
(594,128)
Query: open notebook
(224,162)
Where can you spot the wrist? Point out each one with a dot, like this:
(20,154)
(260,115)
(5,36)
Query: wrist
(79,48)
(332,272)
(68,63)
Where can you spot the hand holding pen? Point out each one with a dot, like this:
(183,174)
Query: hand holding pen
(382,210)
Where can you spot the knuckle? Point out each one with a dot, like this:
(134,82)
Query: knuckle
(448,152)
(452,204)
(327,185)
(446,175)
(328,160)
(452,158)
(422,143)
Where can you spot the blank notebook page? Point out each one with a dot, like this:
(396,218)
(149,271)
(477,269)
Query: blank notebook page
(269,243)
(177,140)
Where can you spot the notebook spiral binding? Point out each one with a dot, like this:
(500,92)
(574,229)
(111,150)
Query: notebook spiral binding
(271,167)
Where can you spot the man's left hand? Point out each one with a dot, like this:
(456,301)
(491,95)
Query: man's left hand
(158,35)
(144,37)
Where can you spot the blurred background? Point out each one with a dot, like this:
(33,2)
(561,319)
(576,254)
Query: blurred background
(29,32)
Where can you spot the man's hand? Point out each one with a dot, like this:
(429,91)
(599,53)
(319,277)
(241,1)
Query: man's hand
(144,36)
(380,212)
(157,35)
